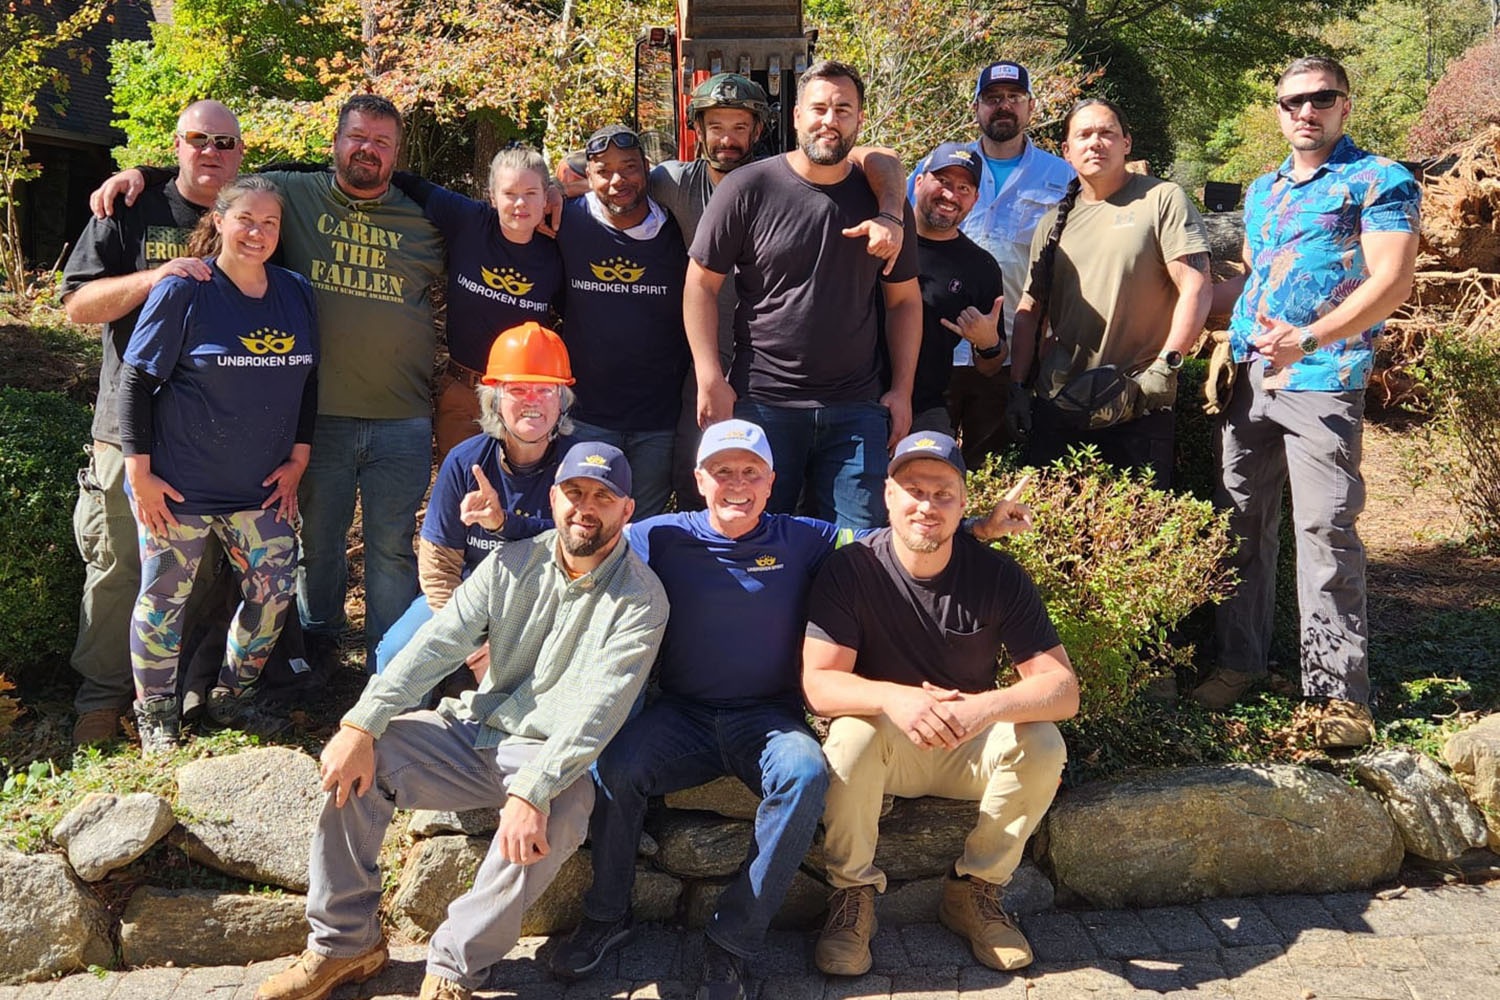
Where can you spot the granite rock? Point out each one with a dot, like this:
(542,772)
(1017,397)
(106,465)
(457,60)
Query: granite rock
(105,832)
(1436,819)
(202,927)
(1474,756)
(50,922)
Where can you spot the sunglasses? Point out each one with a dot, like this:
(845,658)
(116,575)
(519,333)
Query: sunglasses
(1321,99)
(200,140)
(621,140)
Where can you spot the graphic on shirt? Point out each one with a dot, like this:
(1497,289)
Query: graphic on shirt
(360,252)
(617,269)
(164,243)
(765,563)
(1124,219)
(269,341)
(507,279)
(619,275)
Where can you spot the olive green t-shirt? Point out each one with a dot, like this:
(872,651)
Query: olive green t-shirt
(371,264)
(1112,299)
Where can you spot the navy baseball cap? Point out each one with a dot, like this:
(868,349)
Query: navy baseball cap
(1003,71)
(927,444)
(953,154)
(596,460)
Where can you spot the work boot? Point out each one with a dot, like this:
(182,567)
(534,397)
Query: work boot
(724,974)
(158,725)
(1222,688)
(438,988)
(971,908)
(844,944)
(314,976)
(99,726)
(228,710)
(1343,724)
(591,943)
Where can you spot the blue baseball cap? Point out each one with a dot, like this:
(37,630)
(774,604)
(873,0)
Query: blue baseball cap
(596,460)
(727,435)
(953,154)
(927,444)
(1003,71)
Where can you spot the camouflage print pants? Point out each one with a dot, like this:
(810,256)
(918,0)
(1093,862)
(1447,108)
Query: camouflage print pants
(264,553)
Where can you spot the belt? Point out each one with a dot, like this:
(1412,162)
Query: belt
(466,375)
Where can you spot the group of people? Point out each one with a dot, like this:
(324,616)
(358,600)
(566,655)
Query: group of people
(796,342)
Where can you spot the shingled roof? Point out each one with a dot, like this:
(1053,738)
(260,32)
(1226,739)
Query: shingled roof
(86,107)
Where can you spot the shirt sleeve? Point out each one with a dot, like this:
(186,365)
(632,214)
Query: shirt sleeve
(906,261)
(441,526)
(831,612)
(450,211)
(1393,205)
(721,231)
(156,343)
(99,253)
(1025,629)
(1179,227)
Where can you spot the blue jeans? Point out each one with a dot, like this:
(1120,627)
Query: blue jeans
(389,462)
(837,452)
(676,743)
(417,614)
(650,456)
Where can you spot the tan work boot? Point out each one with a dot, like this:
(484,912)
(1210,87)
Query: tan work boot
(314,976)
(1343,724)
(438,988)
(844,945)
(971,908)
(1222,688)
(99,726)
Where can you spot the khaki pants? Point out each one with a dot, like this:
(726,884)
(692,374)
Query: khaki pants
(455,416)
(1012,771)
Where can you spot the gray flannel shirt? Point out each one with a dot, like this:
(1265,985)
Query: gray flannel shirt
(567,657)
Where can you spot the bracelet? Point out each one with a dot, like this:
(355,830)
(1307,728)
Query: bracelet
(989,353)
(890,217)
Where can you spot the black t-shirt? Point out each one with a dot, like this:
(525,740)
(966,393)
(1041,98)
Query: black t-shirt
(947,630)
(953,274)
(806,327)
(151,232)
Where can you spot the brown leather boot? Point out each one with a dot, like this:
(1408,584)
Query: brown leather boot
(438,988)
(844,945)
(1343,724)
(971,908)
(314,976)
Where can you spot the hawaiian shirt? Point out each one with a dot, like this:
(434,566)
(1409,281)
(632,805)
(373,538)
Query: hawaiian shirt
(1305,255)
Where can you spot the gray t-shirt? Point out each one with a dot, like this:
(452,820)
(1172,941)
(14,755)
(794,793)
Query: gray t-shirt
(683,189)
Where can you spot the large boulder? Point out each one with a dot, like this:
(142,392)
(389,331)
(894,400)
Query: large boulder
(700,845)
(436,822)
(1436,819)
(727,796)
(203,927)
(105,832)
(922,837)
(441,869)
(252,814)
(49,920)
(1181,835)
(1474,756)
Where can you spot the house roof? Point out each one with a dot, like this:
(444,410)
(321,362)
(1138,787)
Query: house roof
(86,106)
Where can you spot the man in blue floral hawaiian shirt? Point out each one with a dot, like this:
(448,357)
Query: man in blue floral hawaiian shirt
(1330,244)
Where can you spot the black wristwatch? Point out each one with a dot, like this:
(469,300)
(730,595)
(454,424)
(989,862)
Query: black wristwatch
(990,353)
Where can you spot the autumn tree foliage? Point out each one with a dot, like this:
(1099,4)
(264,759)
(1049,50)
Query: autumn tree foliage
(1462,103)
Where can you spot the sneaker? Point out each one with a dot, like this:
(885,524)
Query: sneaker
(971,908)
(590,944)
(1343,724)
(314,976)
(844,944)
(99,726)
(1222,688)
(724,974)
(158,725)
(228,710)
(438,988)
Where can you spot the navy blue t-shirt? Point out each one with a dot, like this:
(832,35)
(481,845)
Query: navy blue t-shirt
(738,605)
(623,323)
(522,489)
(493,284)
(233,370)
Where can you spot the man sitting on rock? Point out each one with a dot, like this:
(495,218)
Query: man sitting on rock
(904,626)
(574,619)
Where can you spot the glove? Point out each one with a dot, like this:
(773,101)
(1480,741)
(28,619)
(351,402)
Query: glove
(1018,412)
(1158,386)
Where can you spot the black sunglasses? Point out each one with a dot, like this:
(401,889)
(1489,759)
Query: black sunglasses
(198,140)
(622,140)
(1321,99)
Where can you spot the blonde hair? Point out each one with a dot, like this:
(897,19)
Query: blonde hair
(204,240)
(493,424)
(519,158)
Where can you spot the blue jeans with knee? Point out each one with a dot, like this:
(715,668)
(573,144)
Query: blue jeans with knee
(678,743)
(837,452)
(650,456)
(389,464)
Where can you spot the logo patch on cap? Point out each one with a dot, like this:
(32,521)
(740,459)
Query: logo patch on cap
(597,460)
(735,435)
(1005,73)
(924,443)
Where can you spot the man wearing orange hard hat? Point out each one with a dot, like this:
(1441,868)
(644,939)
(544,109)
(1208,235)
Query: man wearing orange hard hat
(497,479)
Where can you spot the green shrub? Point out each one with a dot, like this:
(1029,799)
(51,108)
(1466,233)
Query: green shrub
(1194,469)
(1118,563)
(41,578)
(1462,444)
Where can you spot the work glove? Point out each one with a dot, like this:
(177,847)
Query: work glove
(1158,386)
(1018,412)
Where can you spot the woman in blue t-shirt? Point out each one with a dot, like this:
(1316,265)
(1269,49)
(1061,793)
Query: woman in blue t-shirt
(218,396)
(501,274)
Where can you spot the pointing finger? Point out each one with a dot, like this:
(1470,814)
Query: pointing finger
(1014,493)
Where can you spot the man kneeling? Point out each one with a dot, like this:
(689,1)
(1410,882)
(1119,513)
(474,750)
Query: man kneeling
(903,629)
(574,619)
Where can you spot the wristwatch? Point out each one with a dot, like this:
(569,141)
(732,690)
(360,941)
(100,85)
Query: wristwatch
(1172,358)
(1307,340)
(989,353)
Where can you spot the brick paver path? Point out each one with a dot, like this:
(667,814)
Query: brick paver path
(1416,944)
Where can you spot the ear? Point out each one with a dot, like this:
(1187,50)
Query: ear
(629,510)
(701,479)
(1129,142)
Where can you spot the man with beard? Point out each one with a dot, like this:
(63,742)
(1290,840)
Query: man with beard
(370,255)
(1330,247)
(806,364)
(903,631)
(574,619)
(961,298)
(1018,183)
(113,267)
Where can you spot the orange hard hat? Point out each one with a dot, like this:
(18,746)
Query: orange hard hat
(528,353)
